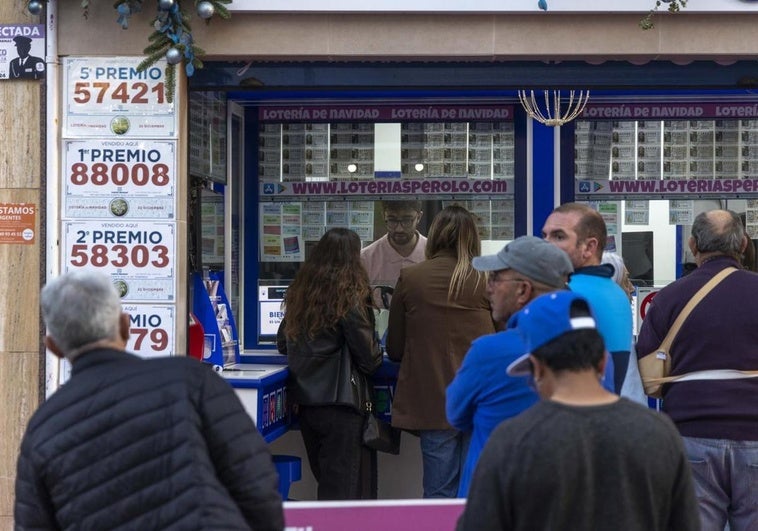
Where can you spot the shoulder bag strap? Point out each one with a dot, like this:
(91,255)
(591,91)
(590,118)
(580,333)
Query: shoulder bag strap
(694,301)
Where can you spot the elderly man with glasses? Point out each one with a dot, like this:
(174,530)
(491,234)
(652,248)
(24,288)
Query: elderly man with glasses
(481,395)
(403,245)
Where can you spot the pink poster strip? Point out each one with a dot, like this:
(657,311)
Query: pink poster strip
(379,515)
(295,191)
(667,187)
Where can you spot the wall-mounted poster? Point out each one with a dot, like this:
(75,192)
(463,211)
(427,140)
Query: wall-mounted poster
(108,97)
(22,51)
(151,329)
(281,234)
(119,179)
(139,256)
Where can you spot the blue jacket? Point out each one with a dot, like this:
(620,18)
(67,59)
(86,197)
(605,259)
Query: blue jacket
(612,310)
(482,395)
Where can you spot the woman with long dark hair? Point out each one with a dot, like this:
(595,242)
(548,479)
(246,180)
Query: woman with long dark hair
(328,336)
(438,308)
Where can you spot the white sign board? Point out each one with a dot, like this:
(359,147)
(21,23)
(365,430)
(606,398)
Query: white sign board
(151,330)
(139,256)
(108,97)
(645,296)
(119,178)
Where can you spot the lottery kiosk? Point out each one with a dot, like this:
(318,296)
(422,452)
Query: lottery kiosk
(303,169)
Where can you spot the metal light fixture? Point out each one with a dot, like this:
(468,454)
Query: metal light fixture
(552,113)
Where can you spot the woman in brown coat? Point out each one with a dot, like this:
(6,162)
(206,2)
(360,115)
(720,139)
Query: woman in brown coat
(438,308)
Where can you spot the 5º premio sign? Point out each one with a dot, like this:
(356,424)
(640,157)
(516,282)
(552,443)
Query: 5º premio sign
(139,256)
(108,97)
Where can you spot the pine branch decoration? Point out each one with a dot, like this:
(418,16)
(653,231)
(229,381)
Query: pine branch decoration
(674,7)
(172,35)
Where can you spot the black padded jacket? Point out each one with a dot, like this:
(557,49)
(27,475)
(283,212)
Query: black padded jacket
(129,443)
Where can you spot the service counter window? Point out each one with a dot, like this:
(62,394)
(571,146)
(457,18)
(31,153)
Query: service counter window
(315,176)
(650,177)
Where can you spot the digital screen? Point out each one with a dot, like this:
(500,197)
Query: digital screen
(270,312)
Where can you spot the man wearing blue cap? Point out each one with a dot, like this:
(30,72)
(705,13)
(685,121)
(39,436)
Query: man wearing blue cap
(481,396)
(25,66)
(582,458)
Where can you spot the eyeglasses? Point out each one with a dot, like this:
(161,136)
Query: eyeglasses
(493,277)
(406,223)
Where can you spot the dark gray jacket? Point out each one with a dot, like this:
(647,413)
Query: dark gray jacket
(144,444)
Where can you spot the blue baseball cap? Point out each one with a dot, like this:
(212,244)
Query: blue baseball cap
(544,319)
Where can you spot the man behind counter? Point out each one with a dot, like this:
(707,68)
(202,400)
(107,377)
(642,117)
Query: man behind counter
(403,245)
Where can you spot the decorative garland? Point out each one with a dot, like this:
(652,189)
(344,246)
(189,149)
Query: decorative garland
(674,7)
(172,37)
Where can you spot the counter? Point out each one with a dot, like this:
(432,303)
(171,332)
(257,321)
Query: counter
(262,388)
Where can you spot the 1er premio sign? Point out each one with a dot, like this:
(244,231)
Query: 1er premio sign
(130,179)
(139,256)
(109,97)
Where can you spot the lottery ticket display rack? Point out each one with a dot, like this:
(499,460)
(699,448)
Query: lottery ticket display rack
(212,308)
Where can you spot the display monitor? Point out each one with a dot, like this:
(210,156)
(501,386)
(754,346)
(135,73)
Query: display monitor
(270,312)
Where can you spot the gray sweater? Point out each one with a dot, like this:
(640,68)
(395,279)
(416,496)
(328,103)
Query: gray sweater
(593,468)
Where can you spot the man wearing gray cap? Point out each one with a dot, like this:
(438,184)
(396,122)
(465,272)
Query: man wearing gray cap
(25,66)
(481,395)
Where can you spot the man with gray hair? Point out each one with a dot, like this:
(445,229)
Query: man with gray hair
(481,395)
(132,443)
(716,407)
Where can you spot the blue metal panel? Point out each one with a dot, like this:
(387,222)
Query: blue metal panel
(543,161)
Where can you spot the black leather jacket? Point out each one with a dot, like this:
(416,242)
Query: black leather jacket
(333,368)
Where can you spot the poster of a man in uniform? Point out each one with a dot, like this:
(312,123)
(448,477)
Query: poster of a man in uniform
(22,48)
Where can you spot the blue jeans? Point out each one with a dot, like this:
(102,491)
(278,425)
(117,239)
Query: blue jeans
(726,482)
(444,453)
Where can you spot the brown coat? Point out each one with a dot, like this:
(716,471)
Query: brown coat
(430,335)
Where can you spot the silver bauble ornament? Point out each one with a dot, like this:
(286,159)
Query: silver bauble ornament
(34,7)
(173,56)
(165,4)
(205,9)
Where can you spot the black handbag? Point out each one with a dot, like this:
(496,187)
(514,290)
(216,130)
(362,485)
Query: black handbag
(378,434)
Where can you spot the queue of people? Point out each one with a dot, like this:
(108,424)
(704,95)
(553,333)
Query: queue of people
(503,376)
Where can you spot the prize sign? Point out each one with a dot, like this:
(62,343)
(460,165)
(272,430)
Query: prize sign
(151,330)
(119,178)
(140,256)
(107,97)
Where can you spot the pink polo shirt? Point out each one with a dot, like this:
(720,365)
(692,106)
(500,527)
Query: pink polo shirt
(384,263)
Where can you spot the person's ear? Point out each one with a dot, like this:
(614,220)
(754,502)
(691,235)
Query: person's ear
(743,245)
(692,245)
(52,346)
(602,364)
(591,245)
(524,293)
(123,327)
(538,368)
